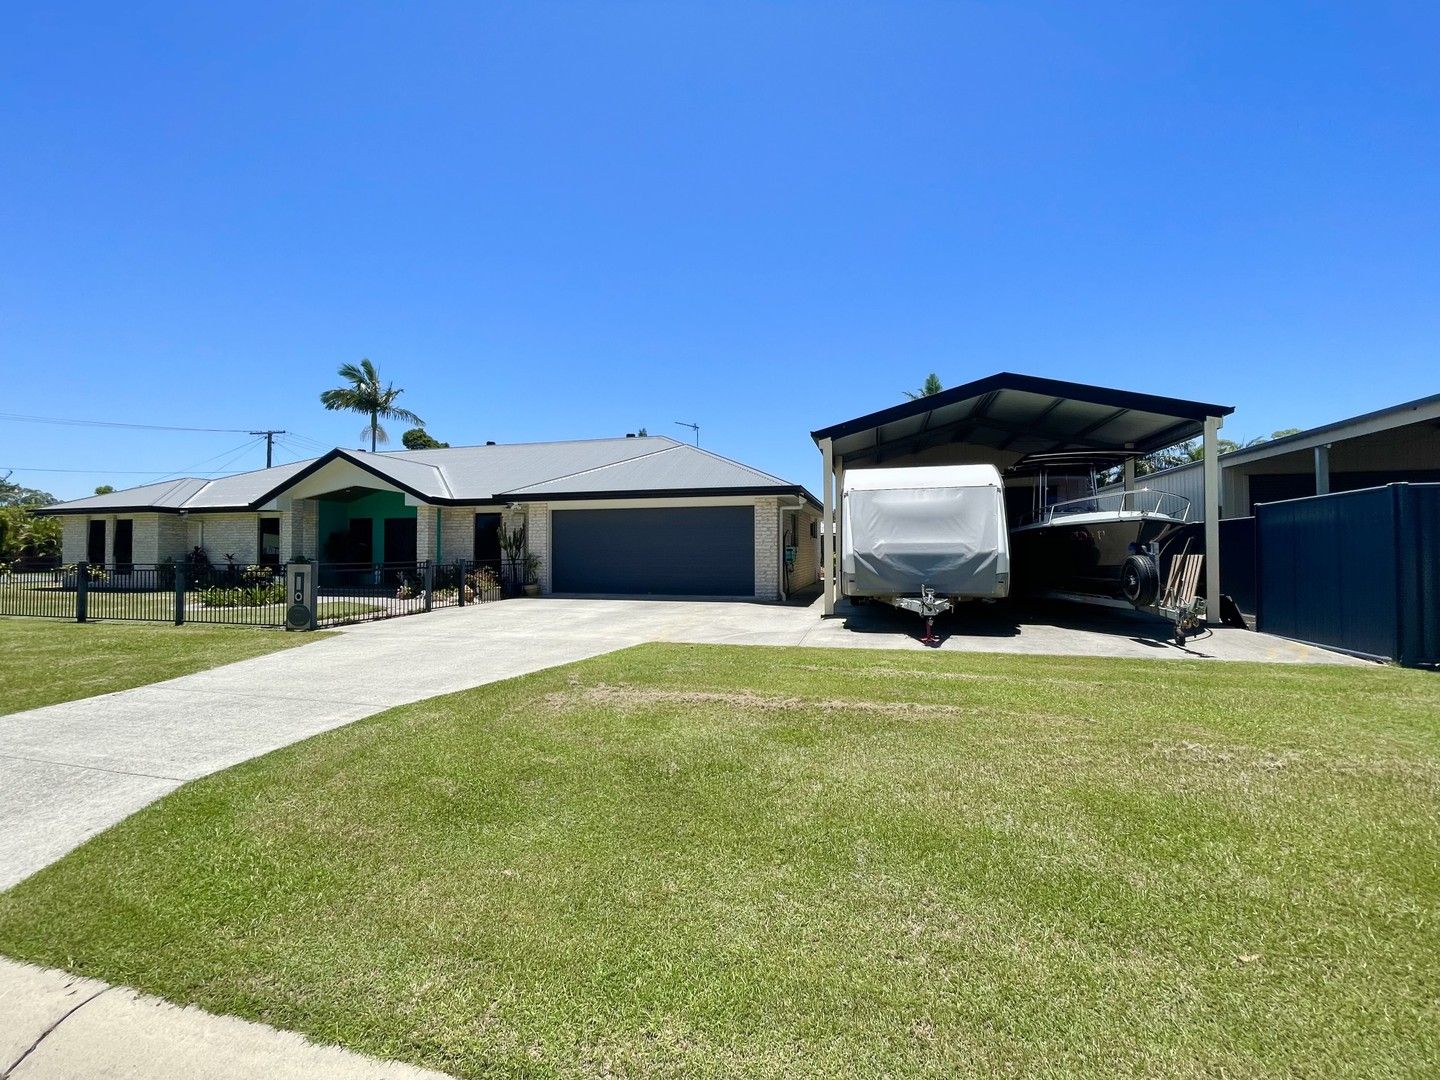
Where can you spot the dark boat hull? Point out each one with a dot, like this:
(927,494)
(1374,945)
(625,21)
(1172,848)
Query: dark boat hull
(1084,558)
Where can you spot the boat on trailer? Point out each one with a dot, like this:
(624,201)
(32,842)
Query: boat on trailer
(1069,540)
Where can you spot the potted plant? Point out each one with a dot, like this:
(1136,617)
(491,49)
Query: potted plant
(531,565)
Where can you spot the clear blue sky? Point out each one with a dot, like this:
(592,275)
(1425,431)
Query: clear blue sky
(564,221)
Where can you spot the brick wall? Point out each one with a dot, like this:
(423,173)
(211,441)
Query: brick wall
(537,535)
(171,531)
(767,549)
(426,527)
(73,531)
(227,534)
(457,533)
(304,530)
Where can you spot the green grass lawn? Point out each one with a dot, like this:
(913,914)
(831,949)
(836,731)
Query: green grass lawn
(766,862)
(45,661)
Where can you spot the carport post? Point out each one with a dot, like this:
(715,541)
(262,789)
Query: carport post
(1322,469)
(1212,519)
(1129,474)
(827,525)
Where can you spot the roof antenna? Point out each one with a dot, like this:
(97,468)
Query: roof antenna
(693,427)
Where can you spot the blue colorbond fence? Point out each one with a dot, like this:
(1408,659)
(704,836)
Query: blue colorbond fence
(1356,570)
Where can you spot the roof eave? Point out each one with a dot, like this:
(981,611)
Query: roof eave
(1031,384)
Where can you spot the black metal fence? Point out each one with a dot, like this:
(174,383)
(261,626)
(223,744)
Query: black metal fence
(235,595)
(359,592)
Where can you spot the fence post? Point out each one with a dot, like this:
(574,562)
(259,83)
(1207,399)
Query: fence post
(82,591)
(429,585)
(460,577)
(179,595)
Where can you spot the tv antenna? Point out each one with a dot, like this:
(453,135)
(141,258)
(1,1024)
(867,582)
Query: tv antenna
(693,427)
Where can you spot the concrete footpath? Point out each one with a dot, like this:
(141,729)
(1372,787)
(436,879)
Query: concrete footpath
(60,1027)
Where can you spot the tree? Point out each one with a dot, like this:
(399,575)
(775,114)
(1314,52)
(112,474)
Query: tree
(104,489)
(417,438)
(642,433)
(932,386)
(22,534)
(12,494)
(1187,453)
(365,395)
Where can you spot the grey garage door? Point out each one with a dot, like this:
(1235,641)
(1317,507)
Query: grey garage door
(674,551)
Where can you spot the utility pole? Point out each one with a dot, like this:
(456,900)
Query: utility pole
(269,444)
(693,427)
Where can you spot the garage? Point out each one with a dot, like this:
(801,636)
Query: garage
(669,551)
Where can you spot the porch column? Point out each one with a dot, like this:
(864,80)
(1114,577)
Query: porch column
(427,533)
(1322,469)
(1212,519)
(827,520)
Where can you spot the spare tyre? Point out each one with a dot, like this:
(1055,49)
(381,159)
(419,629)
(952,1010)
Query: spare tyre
(1140,580)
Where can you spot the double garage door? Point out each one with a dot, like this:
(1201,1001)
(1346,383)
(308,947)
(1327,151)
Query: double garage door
(668,551)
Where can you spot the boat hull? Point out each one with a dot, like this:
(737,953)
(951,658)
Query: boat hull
(1082,555)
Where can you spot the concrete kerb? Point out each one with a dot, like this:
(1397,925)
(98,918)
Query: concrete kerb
(61,1027)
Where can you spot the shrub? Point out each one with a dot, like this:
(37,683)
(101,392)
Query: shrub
(244,596)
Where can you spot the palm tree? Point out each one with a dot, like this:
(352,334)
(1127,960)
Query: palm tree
(932,387)
(365,395)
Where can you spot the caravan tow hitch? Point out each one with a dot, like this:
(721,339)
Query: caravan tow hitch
(927,607)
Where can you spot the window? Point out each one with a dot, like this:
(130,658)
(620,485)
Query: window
(95,542)
(487,539)
(124,546)
(269,543)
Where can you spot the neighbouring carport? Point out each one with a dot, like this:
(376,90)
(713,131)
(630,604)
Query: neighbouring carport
(998,420)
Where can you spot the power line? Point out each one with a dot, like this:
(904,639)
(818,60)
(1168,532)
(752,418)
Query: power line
(269,445)
(116,472)
(18,418)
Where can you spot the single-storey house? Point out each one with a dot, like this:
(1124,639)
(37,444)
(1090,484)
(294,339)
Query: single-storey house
(639,515)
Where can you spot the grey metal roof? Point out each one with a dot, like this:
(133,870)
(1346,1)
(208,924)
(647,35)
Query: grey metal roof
(1023,414)
(636,467)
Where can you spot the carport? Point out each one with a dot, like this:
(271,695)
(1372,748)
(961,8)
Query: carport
(998,420)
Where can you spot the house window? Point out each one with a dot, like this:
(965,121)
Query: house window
(269,544)
(487,539)
(124,546)
(95,542)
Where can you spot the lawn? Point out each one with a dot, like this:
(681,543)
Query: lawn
(766,862)
(43,661)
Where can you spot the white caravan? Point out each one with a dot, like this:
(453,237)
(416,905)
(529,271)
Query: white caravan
(924,538)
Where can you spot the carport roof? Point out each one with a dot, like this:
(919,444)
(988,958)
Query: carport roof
(1024,414)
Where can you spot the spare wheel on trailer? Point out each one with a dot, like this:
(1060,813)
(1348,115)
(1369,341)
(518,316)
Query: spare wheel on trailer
(668,551)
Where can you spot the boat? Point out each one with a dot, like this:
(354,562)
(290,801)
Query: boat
(1069,540)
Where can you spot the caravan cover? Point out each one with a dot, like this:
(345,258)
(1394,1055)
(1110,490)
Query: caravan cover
(941,526)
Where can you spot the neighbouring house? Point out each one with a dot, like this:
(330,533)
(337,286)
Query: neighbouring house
(624,516)
(1399,444)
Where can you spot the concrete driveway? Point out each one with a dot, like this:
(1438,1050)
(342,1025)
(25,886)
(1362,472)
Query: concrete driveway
(69,771)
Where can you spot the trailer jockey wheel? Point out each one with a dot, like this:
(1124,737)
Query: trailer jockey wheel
(1140,580)
(930,637)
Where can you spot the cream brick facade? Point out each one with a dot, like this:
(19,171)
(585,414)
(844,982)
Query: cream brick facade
(427,527)
(457,533)
(767,550)
(537,535)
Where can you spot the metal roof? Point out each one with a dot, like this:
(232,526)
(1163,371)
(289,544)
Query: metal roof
(1023,414)
(639,467)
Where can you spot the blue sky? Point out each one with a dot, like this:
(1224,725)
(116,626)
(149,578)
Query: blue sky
(565,220)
